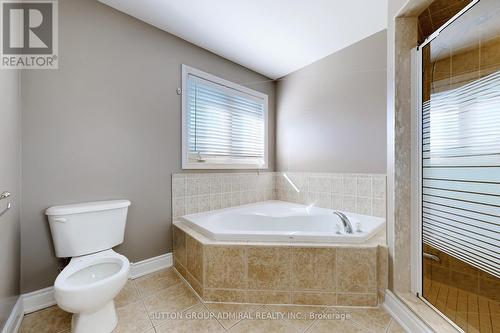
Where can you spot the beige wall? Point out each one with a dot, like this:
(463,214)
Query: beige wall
(9,181)
(331,114)
(107,125)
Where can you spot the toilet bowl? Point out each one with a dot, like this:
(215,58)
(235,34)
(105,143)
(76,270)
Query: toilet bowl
(87,287)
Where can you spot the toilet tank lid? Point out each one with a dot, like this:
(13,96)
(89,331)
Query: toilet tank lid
(85,207)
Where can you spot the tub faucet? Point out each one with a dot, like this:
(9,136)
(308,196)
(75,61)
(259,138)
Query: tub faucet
(345,221)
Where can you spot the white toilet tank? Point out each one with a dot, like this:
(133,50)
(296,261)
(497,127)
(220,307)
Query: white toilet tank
(88,227)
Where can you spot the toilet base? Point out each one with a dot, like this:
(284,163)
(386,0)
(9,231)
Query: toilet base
(103,320)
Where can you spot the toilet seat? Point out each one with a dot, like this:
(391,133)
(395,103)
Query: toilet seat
(90,271)
(90,281)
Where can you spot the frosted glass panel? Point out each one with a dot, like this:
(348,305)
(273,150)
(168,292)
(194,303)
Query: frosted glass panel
(461,169)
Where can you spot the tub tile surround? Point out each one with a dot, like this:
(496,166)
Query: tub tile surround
(201,192)
(356,193)
(286,273)
(281,273)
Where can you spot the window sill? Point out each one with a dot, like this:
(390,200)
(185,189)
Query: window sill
(223,166)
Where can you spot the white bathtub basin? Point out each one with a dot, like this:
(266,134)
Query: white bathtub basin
(280,221)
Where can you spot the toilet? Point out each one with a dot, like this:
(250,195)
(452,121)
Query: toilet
(86,287)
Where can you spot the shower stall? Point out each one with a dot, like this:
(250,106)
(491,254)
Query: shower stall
(457,183)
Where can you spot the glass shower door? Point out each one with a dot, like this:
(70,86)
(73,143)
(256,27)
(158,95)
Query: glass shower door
(460,145)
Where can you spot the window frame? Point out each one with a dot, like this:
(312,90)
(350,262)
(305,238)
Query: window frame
(219,163)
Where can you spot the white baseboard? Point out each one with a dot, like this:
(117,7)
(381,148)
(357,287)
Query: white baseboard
(150,265)
(43,298)
(38,299)
(410,322)
(16,317)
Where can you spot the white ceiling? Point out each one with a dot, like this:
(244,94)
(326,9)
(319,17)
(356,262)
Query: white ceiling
(271,37)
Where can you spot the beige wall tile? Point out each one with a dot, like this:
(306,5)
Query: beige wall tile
(382,268)
(379,187)
(378,207)
(194,251)
(268,297)
(195,284)
(215,201)
(357,299)
(179,246)
(269,268)
(203,203)
(349,185)
(225,267)
(490,55)
(364,186)
(178,187)
(357,269)
(224,295)
(381,297)
(314,298)
(313,269)
(180,269)
(489,287)
(364,206)
(178,206)
(349,203)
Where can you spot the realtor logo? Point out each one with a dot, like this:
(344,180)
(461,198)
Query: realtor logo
(29,34)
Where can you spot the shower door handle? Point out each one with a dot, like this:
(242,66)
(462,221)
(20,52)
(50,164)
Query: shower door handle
(431,257)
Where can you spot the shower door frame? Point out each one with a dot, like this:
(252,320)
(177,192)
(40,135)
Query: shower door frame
(416,164)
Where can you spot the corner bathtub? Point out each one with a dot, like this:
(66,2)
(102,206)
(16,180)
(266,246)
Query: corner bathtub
(278,221)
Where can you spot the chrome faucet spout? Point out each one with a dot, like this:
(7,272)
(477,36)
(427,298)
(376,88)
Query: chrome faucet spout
(345,221)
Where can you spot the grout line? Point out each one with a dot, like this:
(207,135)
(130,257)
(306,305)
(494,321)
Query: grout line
(147,314)
(315,320)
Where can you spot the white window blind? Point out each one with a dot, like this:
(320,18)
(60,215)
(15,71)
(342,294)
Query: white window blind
(225,123)
(461,173)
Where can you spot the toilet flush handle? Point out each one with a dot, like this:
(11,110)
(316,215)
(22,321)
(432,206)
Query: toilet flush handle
(59,219)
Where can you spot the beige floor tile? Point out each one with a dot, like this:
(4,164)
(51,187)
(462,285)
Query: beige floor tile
(147,301)
(300,317)
(229,314)
(176,298)
(51,320)
(333,320)
(372,319)
(263,326)
(133,318)
(127,295)
(152,283)
(394,327)
(196,319)
(334,325)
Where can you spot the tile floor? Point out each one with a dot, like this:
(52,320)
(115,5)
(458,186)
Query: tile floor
(472,312)
(144,304)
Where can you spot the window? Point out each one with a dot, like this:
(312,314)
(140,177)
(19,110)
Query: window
(224,125)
